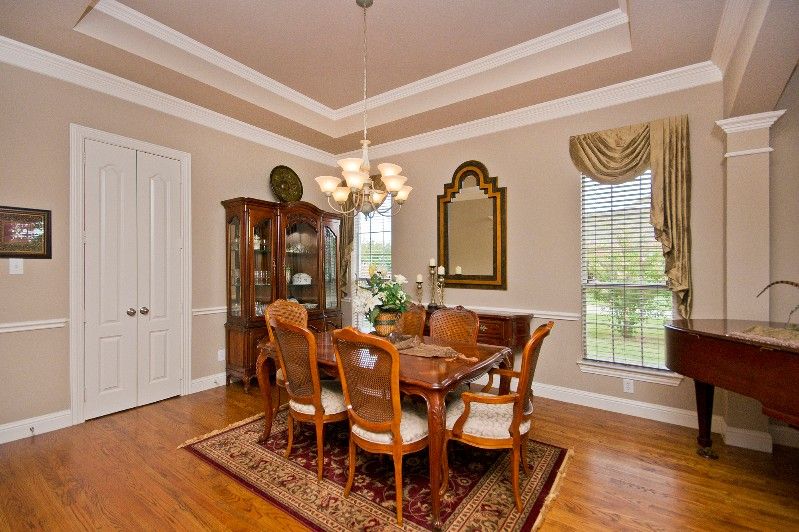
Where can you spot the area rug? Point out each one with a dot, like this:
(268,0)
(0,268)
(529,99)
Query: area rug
(479,497)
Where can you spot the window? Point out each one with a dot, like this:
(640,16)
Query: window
(372,247)
(625,301)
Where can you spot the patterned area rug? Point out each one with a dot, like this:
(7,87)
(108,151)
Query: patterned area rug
(480,496)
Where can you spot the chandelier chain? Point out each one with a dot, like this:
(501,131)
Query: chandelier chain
(364,73)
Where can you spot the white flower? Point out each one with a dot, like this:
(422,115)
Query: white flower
(364,301)
(400,279)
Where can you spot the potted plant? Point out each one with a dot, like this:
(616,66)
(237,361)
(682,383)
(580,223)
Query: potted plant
(381,300)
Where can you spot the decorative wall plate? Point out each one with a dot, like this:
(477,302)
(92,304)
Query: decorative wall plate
(286,185)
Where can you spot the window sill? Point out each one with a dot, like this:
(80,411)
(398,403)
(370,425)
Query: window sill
(656,376)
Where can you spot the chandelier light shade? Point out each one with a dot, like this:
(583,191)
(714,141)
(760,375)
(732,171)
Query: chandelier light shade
(356,181)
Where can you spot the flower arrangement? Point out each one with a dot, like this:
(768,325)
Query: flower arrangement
(380,294)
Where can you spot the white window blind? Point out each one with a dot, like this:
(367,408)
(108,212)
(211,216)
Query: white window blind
(625,301)
(372,247)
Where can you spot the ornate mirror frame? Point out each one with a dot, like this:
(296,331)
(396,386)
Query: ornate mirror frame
(490,186)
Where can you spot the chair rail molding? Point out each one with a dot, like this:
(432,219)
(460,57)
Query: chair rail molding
(208,310)
(35,325)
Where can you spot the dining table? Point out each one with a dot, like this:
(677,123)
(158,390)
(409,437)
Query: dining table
(430,378)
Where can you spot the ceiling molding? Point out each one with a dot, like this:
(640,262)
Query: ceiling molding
(598,38)
(559,37)
(733,19)
(749,122)
(670,81)
(40,61)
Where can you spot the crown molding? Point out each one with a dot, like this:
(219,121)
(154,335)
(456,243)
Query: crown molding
(559,37)
(646,87)
(162,32)
(749,122)
(731,26)
(42,62)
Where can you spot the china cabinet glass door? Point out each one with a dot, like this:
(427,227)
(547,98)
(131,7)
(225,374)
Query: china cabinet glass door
(302,265)
(331,271)
(234,266)
(263,266)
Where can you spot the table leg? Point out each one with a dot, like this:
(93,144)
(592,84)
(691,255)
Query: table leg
(262,370)
(704,413)
(436,418)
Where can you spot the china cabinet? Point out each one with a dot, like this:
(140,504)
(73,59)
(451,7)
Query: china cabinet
(276,250)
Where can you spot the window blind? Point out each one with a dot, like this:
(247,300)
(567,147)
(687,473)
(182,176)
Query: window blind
(625,301)
(372,247)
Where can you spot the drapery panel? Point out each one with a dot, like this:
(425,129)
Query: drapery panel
(620,154)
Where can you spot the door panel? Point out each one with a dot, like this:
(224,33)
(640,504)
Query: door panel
(110,367)
(159,274)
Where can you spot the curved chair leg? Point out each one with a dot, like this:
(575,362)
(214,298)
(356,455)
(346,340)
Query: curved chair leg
(515,474)
(525,453)
(444,467)
(398,485)
(320,449)
(351,475)
(290,422)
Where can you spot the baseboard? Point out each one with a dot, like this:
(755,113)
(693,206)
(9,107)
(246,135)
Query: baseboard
(206,383)
(748,439)
(785,436)
(31,427)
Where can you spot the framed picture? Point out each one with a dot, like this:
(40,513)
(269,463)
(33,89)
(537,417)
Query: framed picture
(25,233)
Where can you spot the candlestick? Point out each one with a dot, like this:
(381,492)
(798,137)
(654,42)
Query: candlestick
(419,288)
(433,284)
(440,286)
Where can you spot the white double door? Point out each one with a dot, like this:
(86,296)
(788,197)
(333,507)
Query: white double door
(132,278)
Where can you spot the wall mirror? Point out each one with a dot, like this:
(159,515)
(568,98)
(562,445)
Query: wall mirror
(471,229)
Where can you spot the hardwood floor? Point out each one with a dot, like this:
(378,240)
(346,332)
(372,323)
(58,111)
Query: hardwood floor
(124,471)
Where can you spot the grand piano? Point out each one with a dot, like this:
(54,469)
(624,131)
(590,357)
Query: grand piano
(705,351)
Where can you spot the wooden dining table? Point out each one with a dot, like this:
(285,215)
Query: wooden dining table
(429,378)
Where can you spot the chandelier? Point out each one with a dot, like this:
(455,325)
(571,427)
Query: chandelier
(355,172)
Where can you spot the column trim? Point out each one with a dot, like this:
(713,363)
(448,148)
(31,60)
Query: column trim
(749,122)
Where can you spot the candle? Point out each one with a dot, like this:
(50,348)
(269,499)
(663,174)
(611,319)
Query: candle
(441,270)
(458,270)
(432,262)
(419,278)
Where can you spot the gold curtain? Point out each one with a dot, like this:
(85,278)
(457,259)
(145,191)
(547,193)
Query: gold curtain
(618,155)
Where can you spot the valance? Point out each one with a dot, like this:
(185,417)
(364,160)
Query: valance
(617,155)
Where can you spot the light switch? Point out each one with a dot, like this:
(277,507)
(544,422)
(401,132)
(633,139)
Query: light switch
(15,267)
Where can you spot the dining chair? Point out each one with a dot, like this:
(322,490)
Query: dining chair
(412,320)
(290,312)
(493,421)
(311,400)
(379,421)
(457,324)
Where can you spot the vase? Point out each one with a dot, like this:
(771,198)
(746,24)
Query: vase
(386,322)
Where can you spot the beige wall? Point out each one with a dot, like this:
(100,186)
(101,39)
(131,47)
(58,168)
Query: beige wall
(34,172)
(784,207)
(543,224)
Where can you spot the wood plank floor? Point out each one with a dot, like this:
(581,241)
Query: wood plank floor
(124,471)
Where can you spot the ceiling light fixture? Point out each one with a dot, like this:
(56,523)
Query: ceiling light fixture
(366,197)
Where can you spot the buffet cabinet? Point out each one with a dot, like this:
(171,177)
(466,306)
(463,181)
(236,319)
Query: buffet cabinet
(273,251)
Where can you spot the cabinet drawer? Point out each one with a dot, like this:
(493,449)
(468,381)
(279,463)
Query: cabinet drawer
(493,331)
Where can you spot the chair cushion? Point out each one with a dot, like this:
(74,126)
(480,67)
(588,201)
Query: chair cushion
(279,380)
(332,400)
(413,427)
(485,421)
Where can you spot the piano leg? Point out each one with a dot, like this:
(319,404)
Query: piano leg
(704,412)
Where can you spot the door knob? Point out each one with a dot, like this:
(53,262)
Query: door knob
(144,310)
(131,311)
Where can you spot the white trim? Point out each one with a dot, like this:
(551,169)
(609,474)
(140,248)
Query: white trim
(748,439)
(52,65)
(208,310)
(630,407)
(560,37)
(36,325)
(748,152)
(782,435)
(749,122)
(25,428)
(78,135)
(733,19)
(206,383)
(656,376)
(657,84)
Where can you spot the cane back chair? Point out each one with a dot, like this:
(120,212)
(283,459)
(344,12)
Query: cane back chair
(379,421)
(412,320)
(456,324)
(311,400)
(493,421)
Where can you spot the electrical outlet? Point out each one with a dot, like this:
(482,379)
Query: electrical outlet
(629,385)
(15,267)
(220,354)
